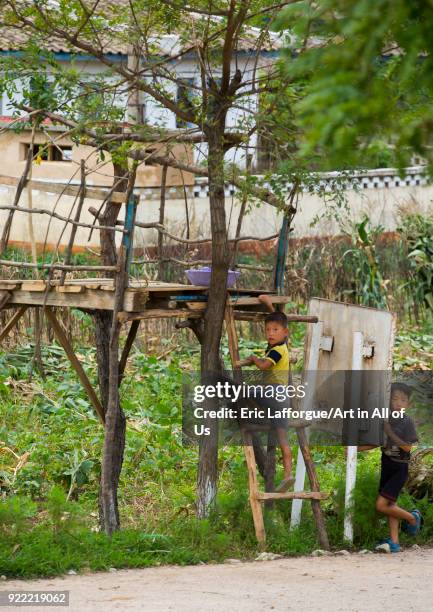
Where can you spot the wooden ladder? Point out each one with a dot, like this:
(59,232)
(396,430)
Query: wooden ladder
(256,496)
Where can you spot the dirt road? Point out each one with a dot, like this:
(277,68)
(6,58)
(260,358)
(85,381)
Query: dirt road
(356,583)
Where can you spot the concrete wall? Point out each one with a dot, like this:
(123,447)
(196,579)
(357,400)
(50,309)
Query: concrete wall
(382,196)
(382,206)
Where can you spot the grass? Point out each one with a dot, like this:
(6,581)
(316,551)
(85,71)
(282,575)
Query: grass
(50,449)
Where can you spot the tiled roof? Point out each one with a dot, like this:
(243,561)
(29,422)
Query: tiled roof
(14,38)
(7,121)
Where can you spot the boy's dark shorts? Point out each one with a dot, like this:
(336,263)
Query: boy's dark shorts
(273,409)
(393,475)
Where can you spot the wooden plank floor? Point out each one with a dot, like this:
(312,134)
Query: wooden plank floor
(98,293)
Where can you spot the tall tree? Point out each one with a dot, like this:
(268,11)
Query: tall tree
(232,63)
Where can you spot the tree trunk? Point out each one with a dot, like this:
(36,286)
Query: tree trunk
(115,422)
(162,267)
(107,360)
(214,316)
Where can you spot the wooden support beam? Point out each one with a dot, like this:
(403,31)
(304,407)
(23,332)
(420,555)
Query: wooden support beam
(70,289)
(12,322)
(253,301)
(68,255)
(92,193)
(242,301)
(156,313)
(135,300)
(5,297)
(241,315)
(127,348)
(248,444)
(314,484)
(255,504)
(33,285)
(63,340)
(232,341)
(317,495)
(53,266)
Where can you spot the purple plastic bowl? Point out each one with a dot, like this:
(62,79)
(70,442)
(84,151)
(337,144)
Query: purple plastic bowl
(201,276)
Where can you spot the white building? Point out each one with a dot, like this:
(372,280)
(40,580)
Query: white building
(183,83)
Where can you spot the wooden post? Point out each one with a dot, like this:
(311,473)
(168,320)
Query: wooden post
(12,322)
(128,238)
(314,485)
(62,338)
(21,183)
(269,472)
(68,256)
(114,435)
(161,263)
(256,507)
(5,296)
(127,348)
(232,341)
(280,264)
(247,439)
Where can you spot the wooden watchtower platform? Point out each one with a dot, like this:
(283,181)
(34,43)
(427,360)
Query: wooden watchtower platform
(131,301)
(142,299)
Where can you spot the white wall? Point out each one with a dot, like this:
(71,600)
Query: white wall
(382,205)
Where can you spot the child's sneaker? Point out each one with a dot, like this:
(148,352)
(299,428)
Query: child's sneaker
(413,529)
(394,546)
(387,546)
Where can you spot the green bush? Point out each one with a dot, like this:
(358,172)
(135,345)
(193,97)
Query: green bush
(417,231)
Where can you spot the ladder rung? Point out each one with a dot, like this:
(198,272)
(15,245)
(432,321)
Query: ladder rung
(319,495)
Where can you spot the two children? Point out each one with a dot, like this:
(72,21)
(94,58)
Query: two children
(401,434)
(400,431)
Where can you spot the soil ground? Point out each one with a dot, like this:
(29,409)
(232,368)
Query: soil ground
(353,583)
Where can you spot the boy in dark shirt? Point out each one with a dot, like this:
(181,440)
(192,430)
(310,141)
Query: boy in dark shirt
(401,434)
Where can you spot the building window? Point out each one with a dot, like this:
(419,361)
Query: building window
(47,152)
(61,153)
(185,97)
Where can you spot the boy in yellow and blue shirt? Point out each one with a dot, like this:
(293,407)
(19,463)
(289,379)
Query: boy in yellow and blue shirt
(276,364)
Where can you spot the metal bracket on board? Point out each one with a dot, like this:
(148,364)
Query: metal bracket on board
(368,350)
(326,343)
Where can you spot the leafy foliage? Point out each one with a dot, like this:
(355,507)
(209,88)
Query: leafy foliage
(369,285)
(367,68)
(417,230)
(48,522)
